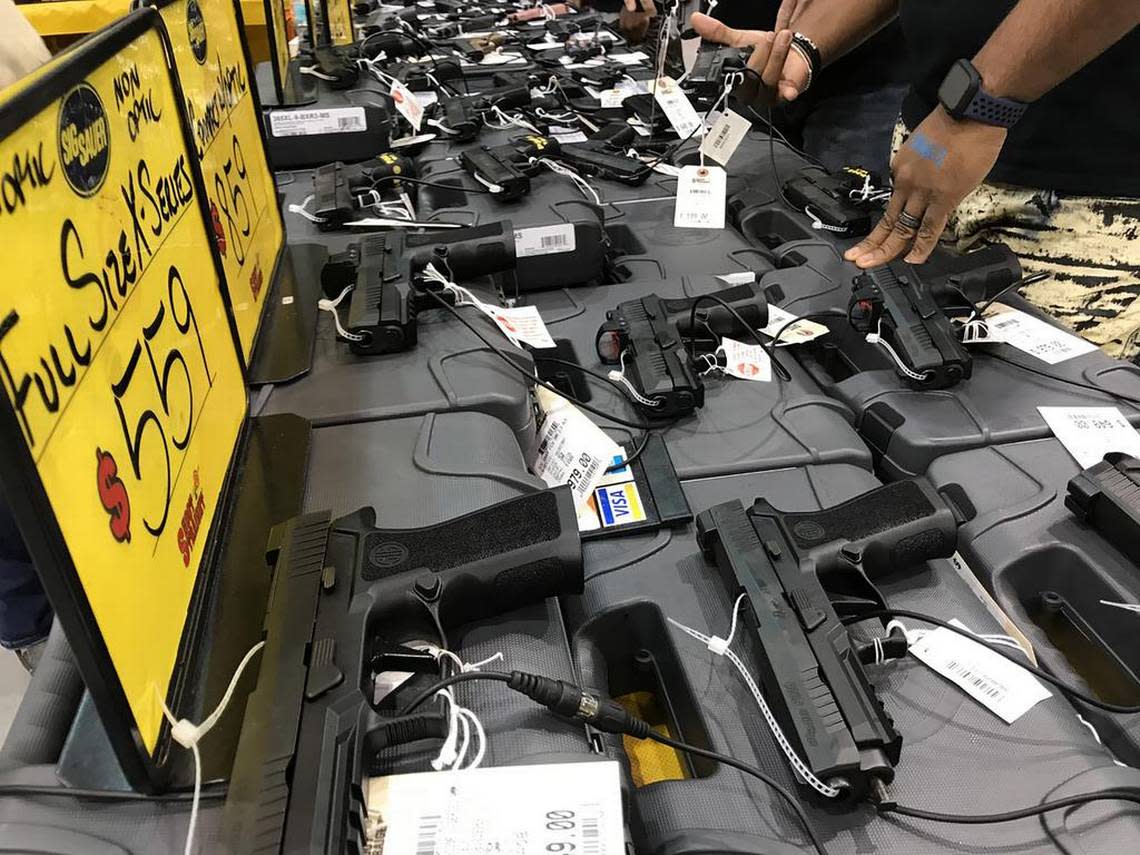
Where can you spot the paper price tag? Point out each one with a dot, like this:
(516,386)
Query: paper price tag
(700,198)
(576,809)
(746,361)
(522,324)
(676,106)
(303,123)
(571,448)
(798,333)
(1089,433)
(1034,336)
(544,240)
(689,50)
(741,277)
(629,58)
(407,104)
(1004,688)
(722,140)
(613,97)
(570,137)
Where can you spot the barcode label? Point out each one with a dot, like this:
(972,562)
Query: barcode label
(1034,336)
(544,240)
(725,137)
(591,836)
(1089,433)
(1001,686)
(303,123)
(427,834)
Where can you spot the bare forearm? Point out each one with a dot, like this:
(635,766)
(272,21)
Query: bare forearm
(1043,42)
(839,26)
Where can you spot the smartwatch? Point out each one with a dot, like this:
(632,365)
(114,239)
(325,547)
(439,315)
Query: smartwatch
(962,96)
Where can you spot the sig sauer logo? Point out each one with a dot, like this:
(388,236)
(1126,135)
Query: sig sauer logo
(196,31)
(84,140)
(388,554)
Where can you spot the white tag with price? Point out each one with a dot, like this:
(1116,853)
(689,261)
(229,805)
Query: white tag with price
(700,198)
(1089,433)
(722,140)
(780,323)
(1003,687)
(407,104)
(561,808)
(676,106)
(521,324)
(571,448)
(746,361)
(1034,336)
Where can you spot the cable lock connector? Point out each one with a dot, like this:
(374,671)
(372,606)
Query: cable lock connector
(570,701)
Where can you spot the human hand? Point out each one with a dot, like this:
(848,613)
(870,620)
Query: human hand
(783,72)
(942,161)
(633,19)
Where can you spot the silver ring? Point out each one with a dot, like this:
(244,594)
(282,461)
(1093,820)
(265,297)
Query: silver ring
(909,220)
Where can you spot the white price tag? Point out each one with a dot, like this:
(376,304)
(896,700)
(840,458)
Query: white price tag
(1001,686)
(571,448)
(407,105)
(746,361)
(1089,433)
(798,333)
(544,240)
(404,142)
(303,123)
(700,198)
(613,97)
(741,277)
(522,324)
(722,140)
(570,137)
(676,106)
(629,58)
(689,50)
(425,99)
(1035,336)
(564,807)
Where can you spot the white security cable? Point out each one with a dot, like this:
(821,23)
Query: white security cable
(631,390)
(303,210)
(904,369)
(581,183)
(820,225)
(331,307)
(720,647)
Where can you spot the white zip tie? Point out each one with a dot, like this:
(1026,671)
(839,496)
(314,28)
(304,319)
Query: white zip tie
(512,120)
(820,225)
(631,390)
(494,188)
(331,306)
(481,752)
(581,183)
(438,125)
(302,210)
(904,369)
(188,735)
(720,646)
(312,70)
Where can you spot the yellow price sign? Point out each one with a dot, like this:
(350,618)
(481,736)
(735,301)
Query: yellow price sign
(339,16)
(275,24)
(123,397)
(226,130)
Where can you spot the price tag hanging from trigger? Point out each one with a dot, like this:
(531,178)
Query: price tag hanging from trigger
(700,198)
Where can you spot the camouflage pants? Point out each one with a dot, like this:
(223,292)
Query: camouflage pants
(1090,246)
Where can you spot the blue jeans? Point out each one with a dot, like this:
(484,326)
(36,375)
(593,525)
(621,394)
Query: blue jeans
(25,614)
(846,128)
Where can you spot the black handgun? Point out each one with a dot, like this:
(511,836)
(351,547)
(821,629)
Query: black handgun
(393,44)
(463,114)
(509,166)
(833,198)
(651,339)
(597,158)
(340,189)
(347,600)
(1107,497)
(905,305)
(803,573)
(388,288)
(713,63)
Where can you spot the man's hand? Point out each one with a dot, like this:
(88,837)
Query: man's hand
(943,160)
(633,20)
(783,72)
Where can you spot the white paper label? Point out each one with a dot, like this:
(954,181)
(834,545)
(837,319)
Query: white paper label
(522,324)
(700,198)
(677,107)
(404,142)
(570,137)
(407,104)
(689,50)
(629,58)
(303,123)
(1035,336)
(722,140)
(613,97)
(741,277)
(571,448)
(798,333)
(425,99)
(1089,433)
(746,361)
(544,240)
(1004,688)
(512,810)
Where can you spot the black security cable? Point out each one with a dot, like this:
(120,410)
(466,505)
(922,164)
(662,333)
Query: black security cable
(767,347)
(604,714)
(1061,686)
(404,178)
(1124,795)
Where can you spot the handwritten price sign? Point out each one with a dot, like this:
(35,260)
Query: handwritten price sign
(224,123)
(340,22)
(120,374)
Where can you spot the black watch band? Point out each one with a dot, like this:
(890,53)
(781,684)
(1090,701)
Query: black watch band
(962,96)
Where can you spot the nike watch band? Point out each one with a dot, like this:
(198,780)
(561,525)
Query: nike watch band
(962,96)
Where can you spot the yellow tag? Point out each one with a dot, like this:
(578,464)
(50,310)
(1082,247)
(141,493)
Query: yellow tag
(339,13)
(278,40)
(116,355)
(223,118)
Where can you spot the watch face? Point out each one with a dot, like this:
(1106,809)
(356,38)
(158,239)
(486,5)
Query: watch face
(957,89)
